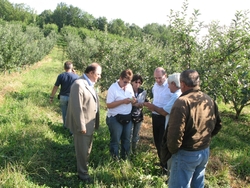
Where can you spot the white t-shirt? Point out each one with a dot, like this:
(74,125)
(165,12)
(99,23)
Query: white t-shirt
(161,95)
(116,93)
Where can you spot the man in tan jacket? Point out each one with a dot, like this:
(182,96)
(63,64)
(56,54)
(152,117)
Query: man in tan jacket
(83,116)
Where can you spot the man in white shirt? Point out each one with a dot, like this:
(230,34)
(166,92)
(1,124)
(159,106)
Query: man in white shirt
(174,86)
(161,97)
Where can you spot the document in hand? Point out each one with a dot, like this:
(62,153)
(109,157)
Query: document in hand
(141,97)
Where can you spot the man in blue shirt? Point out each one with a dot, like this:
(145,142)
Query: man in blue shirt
(65,80)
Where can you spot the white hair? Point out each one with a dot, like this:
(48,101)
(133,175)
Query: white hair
(175,77)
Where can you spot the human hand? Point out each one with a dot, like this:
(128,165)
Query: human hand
(139,105)
(84,131)
(133,100)
(149,106)
(51,99)
(126,101)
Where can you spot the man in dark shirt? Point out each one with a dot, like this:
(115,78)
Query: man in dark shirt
(64,80)
(194,120)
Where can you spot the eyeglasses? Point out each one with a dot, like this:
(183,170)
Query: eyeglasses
(137,82)
(125,82)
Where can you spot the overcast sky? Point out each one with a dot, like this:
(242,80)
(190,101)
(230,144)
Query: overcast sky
(142,12)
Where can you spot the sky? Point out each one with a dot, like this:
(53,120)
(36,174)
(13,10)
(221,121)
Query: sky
(143,12)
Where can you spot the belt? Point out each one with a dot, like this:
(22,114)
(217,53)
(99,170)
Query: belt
(157,115)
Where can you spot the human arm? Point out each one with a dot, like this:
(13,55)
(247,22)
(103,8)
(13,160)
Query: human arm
(157,109)
(176,127)
(115,98)
(218,123)
(54,90)
(118,103)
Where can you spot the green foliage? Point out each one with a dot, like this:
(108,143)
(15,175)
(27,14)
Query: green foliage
(220,57)
(35,150)
(225,63)
(114,53)
(21,46)
(48,28)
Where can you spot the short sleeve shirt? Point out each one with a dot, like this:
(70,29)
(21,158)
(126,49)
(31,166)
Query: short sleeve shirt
(116,93)
(65,80)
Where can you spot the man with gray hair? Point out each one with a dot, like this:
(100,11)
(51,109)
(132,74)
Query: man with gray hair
(194,120)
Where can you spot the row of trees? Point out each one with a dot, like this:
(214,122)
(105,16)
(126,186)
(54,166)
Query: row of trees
(23,45)
(68,15)
(222,57)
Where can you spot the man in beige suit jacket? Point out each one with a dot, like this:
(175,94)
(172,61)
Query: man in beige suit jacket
(83,116)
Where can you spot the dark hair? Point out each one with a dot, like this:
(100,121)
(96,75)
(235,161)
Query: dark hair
(190,77)
(91,67)
(128,74)
(137,77)
(68,65)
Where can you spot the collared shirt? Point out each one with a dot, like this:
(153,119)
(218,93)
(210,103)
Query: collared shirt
(91,84)
(116,93)
(65,79)
(161,95)
(170,103)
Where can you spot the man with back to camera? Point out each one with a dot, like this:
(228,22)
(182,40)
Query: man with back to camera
(65,80)
(194,120)
(161,96)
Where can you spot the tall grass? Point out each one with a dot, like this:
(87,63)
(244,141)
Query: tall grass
(35,151)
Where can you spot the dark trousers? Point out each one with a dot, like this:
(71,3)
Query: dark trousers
(158,122)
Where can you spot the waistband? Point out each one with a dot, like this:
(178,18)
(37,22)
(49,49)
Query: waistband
(157,115)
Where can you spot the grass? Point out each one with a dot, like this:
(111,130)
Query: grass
(35,151)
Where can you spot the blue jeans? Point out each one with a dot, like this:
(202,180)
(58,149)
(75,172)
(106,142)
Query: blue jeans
(188,169)
(64,105)
(119,132)
(136,130)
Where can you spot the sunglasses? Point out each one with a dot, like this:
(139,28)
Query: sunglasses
(138,82)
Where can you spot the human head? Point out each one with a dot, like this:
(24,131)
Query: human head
(190,78)
(160,75)
(174,82)
(93,71)
(125,77)
(136,81)
(68,65)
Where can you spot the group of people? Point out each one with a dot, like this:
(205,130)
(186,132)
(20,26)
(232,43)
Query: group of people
(184,119)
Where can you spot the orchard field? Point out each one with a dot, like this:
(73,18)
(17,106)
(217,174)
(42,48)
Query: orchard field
(34,149)
(37,152)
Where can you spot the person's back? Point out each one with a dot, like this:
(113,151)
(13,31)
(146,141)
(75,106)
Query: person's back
(194,119)
(200,112)
(64,80)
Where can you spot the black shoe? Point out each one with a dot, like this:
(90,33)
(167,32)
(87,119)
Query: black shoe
(166,182)
(88,180)
(157,164)
(164,171)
